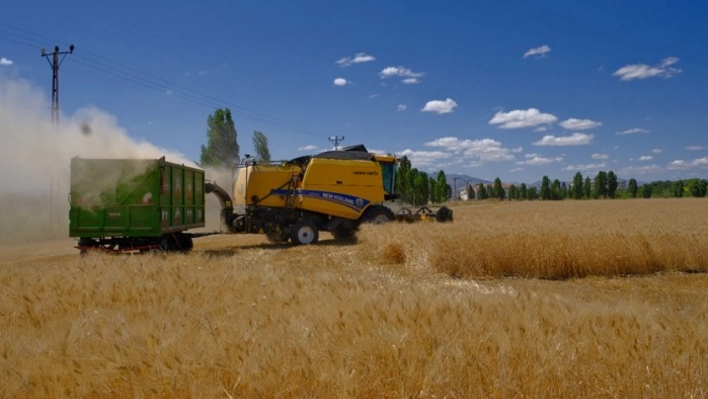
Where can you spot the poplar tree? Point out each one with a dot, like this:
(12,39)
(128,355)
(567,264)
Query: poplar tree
(601,184)
(497,189)
(260,143)
(611,184)
(633,188)
(545,188)
(578,186)
(222,148)
(587,188)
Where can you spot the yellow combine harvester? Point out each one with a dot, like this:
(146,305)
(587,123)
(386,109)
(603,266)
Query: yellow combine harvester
(333,191)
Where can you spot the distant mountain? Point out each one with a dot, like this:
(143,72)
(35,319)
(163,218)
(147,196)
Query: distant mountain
(463,180)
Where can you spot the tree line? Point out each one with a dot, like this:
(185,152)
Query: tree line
(417,188)
(605,185)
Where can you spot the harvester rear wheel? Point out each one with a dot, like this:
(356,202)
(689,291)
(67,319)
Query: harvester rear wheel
(304,232)
(377,214)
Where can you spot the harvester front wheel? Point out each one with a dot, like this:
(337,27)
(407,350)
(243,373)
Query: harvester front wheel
(377,214)
(304,232)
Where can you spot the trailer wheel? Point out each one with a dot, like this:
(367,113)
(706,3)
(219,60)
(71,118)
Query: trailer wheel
(184,243)
(377,214)
(84,244)
(304,232)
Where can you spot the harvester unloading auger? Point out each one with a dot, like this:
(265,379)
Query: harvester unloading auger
(149,204)
(333,191)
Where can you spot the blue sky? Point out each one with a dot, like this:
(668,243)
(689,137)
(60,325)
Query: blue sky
(513,89)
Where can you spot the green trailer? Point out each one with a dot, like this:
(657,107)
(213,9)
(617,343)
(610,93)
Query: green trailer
(134,204)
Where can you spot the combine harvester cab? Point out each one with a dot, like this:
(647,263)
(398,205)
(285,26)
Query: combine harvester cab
(134,204)
(294,200)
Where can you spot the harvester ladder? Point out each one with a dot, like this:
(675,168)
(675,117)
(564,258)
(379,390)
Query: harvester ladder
(292,186)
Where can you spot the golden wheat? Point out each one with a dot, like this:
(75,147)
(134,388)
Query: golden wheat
(408,311)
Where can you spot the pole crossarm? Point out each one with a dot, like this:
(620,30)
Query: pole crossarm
(54,63)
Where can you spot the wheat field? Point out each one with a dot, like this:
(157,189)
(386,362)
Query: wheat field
(591,299)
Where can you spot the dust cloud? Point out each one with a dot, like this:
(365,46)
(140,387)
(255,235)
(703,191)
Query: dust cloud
(35,159)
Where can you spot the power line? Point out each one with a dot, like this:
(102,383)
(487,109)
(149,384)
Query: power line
(121,71)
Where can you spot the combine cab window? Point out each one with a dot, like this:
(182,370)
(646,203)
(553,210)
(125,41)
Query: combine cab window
(389,173)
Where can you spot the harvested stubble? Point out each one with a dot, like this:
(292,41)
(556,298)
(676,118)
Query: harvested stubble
(374,319)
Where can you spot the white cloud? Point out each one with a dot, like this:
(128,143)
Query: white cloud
(538,51)
(440,106)
(641,170)
(424,157)
(5,62)
(411,81)
(680,164)
(573,139)
(600,156)
(579,124)
(488,150)
(632,131)
(518,119)
(538,161)
(357,59)
(374,96)
(202,73)
(402,107)
(340,82)
(541,129)
(657,151)
(643,71)
(645,158)
(582,168)
(695,148)
(307,148)
(401,72)
(516,170)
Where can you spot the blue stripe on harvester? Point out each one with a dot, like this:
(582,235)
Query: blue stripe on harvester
(350,201)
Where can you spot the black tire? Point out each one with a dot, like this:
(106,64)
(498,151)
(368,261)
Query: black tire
(304,232)
(278,237)
(377,214)
(344,234)
(185,243)
(444,214)
(85,243)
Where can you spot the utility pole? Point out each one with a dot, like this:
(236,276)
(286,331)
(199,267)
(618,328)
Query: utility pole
(336,140)
(55,62)
(454,179)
